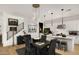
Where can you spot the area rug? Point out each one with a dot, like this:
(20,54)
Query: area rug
(21,51)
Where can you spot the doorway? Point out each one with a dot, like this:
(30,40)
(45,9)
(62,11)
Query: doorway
(40,27)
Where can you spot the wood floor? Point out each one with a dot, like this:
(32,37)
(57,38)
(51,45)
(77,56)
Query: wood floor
(11,50)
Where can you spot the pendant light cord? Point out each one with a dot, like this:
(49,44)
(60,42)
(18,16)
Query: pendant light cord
(62,15)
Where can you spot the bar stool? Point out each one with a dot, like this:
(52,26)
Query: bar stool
(58,44)
(64,45)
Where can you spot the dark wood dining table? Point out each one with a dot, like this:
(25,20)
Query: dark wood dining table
(40,45)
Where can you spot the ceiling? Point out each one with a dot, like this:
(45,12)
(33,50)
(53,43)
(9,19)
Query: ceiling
(27,11)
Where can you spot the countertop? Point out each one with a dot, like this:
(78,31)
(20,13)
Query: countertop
(60,37)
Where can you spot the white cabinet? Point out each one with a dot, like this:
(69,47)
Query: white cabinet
(75,38)
(77,25)
(72,25)
(76,41)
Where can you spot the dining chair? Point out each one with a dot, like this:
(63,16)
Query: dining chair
(20,40)
(64,45)
(52,46)
(43,38)
(29,49)
(49,50)
(58,44)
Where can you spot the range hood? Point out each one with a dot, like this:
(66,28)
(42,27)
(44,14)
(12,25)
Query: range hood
(61,26)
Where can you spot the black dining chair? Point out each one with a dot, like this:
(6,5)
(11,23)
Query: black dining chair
(29,49)
(52,46)
(49,50)
(64,45)
(43,38)
(58,44)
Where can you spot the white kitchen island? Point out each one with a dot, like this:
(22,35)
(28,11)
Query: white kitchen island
(68,39)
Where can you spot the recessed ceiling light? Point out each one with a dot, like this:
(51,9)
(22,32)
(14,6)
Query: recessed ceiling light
(51,13)
(62,9)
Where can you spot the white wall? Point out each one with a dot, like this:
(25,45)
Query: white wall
(5,29)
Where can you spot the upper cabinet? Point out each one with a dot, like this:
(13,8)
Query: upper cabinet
(72,25)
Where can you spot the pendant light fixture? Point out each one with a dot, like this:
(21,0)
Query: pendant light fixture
(35,6)
(61,26)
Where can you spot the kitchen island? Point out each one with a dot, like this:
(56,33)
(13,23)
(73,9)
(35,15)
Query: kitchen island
(68,39)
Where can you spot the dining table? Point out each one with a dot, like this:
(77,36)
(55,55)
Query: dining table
(40,45)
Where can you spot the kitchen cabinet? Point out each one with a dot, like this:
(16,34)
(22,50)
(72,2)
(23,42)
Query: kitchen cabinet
(77,25)
(76,40)
(71,25)
(68,39)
